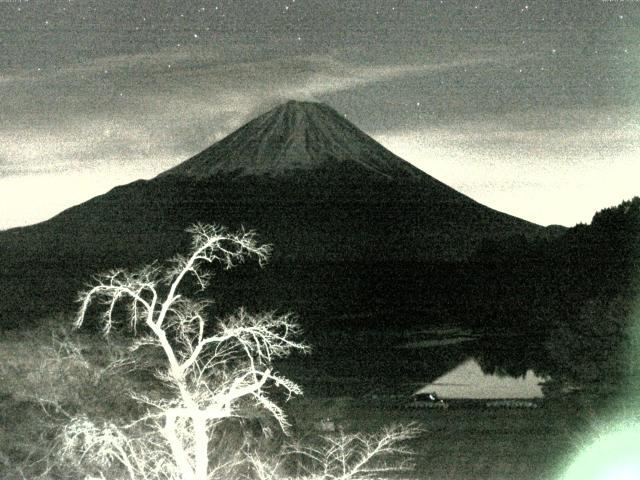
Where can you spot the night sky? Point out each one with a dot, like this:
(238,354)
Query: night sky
(529,107)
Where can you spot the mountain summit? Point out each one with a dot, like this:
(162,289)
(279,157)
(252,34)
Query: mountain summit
(317,188)
(293,138)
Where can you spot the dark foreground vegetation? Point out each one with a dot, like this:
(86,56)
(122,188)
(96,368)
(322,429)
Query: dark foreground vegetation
(40,391)
(581,292)
(175,394)
(569,304)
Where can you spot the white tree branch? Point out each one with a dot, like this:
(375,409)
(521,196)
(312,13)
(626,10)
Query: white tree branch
(209,373)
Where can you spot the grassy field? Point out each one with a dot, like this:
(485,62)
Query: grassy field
(471,442)
(37,373)
(458,443)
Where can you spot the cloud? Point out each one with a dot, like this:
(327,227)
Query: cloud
(173,101)
(527,165)
(28,199)
(574,135)
(135,115)
(69,127)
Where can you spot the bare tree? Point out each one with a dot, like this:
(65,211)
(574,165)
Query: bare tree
(348,456)
(211,370)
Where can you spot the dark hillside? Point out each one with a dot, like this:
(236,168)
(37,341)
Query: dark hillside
(309,182)
(579,291)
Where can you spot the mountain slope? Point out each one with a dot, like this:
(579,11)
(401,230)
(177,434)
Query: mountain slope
(293,138)
(321,191)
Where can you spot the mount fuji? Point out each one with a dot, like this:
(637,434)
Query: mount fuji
(312,184)
(294,138)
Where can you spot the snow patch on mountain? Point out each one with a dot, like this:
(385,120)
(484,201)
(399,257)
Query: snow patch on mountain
(292,138)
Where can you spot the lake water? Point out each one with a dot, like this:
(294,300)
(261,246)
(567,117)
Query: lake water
(453,362)
(468,381)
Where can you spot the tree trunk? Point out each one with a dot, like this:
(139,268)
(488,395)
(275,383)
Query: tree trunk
(179,455)
(201,447)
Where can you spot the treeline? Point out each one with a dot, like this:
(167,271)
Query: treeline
(576,293)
